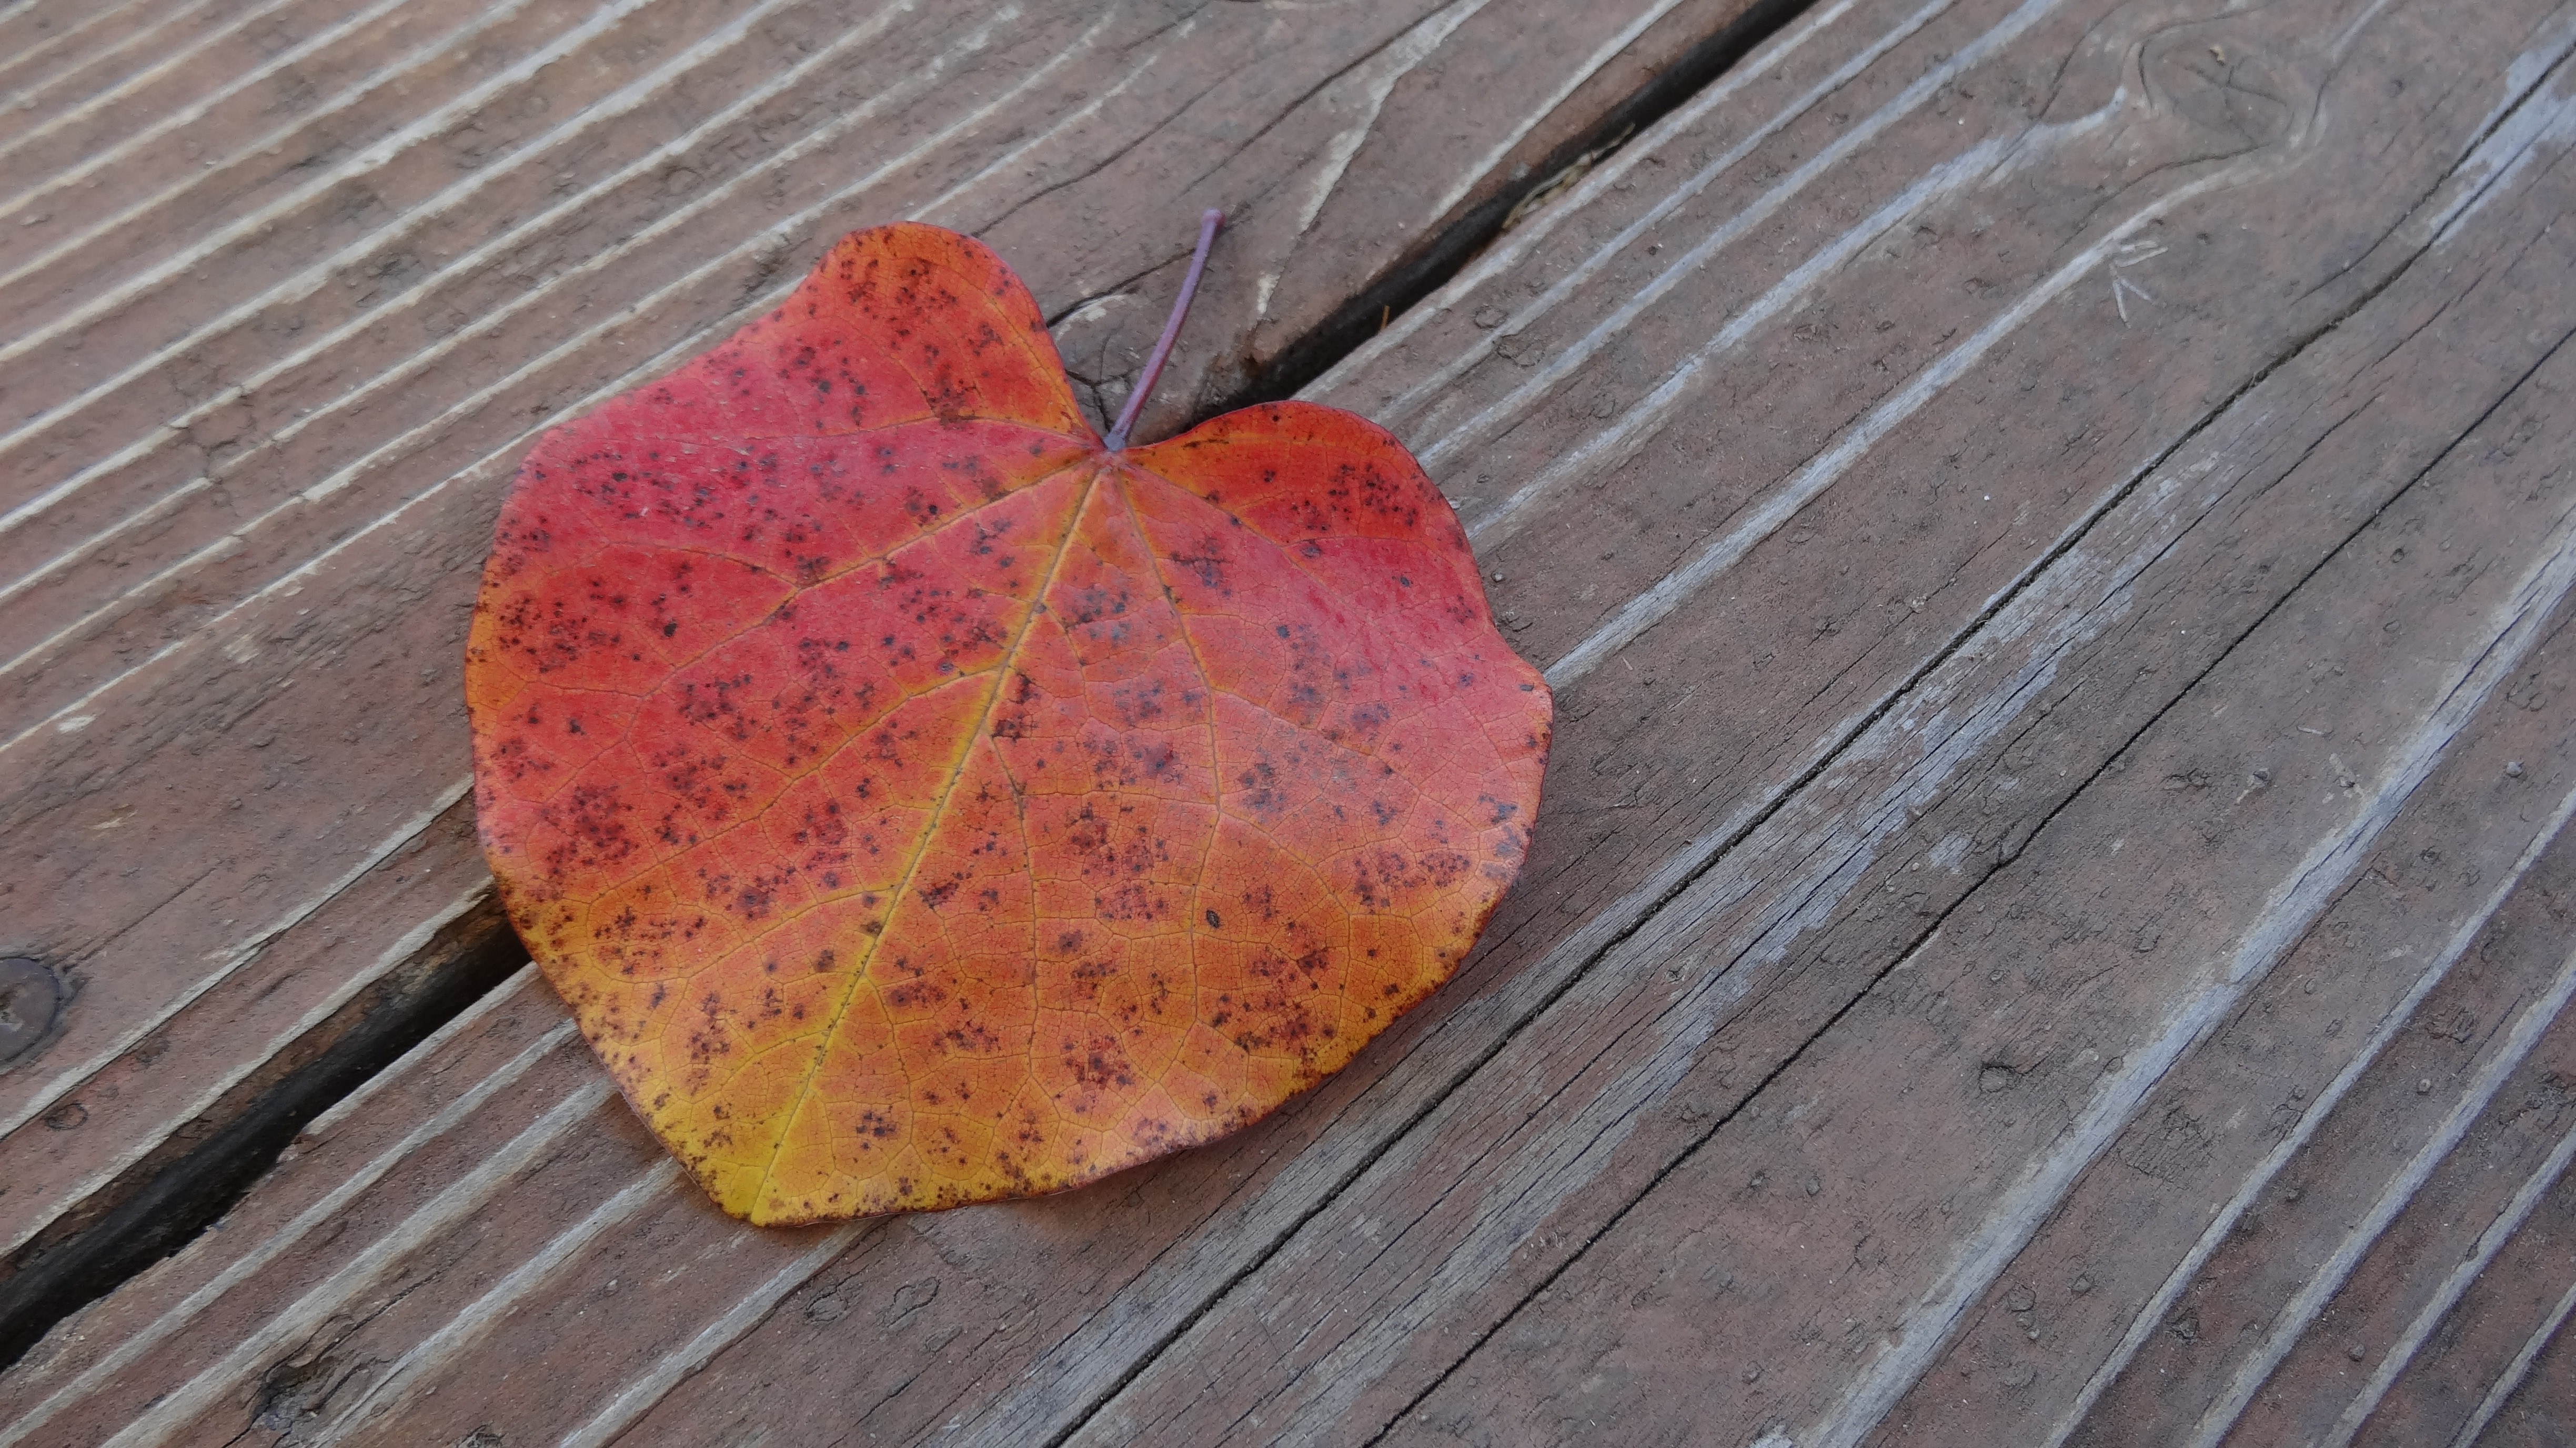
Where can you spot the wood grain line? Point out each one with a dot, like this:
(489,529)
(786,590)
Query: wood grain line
(2454,1284)
(2511,1379)
(1539,110)
(459,1200)
(1658,602)
(654,1183)
(1516,245)
(466,1104)
(2301,1311)
(91,16)
(1614,446)
(1579,353)
(146,136)
(464,1021)
(656,1382)
(1375,79)
(623,101)
(2151,1316)
(247,228)
(2329,866)
(2513,135)
(125,86)
(226,961)
(1057,127)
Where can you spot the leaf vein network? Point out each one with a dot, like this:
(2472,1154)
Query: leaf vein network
(938,810)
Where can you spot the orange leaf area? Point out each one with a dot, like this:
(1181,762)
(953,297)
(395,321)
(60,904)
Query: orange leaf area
(919,804)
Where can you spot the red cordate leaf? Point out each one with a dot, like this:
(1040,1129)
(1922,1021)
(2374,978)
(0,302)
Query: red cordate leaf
(920,802)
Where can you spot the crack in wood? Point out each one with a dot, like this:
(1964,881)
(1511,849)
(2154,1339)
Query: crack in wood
(174,1193)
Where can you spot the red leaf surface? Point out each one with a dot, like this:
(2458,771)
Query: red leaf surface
(919,803)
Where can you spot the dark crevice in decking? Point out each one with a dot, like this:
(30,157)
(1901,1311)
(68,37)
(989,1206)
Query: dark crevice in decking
(1446,252)
(1420,273)
(995,223)
(163,1202)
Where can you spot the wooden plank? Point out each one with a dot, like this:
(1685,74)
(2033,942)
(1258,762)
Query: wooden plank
(1740,1292)
(2472,1187)
(1448,1241)
(264,405)
(450,948)
(1830,1223)
(2011,616)
(2347,1138)
(2386,1188)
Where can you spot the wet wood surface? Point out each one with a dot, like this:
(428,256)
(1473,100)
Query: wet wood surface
(2050,523)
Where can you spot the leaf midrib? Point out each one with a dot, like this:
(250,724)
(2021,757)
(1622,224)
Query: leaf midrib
(1001,672)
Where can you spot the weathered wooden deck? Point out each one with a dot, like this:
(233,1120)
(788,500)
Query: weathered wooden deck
(2052,525)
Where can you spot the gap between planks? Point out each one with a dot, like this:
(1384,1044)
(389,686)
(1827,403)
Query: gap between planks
(1835,14)
(72,715)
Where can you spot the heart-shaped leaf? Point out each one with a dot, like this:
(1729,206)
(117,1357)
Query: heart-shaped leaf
(920,803)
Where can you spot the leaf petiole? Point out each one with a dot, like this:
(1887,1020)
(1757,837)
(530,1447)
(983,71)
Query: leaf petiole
(1208,223)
